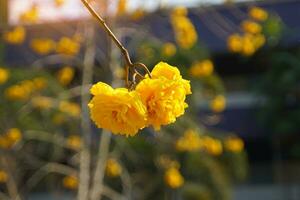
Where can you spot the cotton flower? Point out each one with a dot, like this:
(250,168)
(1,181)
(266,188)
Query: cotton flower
(258,14)
(202,68)
(42,46)
(164,95)
(70,182)
(168,49)
(234,144)
(4,75)
(113,168)
(173,178)
(65,75)
(118,110)
(15,36)
(218,104)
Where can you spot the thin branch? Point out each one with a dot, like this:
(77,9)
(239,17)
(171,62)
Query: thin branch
(97,187)
(109,32)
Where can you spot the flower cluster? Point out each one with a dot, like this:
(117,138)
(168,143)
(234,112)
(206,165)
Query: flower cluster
(16,36)
(202,68)
(68,46)
(4,75)
(156,101)
(24,89)
(113,168)
(173,178)
(185,32)
(42,46)
(10,138)
(252,38)
(193,141)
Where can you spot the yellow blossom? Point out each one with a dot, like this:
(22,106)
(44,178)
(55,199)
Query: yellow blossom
(251,27)
(4,75)
(72,109)
(202,68)
(14,135)
(16,92)
(65,75)
(173,178)
(40,83)
(118,110)
(179,11)
(59,3)
(234,144)
(249,47)
(113,168)
(212,146)
(184,30)
(15,36)
(42,46)
(164,95)
(235,43)
(190,141)
(3,176)
(68,46)
(30,16)
(218,104)
(5,143)
(70,182)
(169,49)
(74,142)
(122,5)
(258,14)
(137,14)
(42,102)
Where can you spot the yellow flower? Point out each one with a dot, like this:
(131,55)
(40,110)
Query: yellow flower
(30,16)
(235,43)
(74,142)
(218,104)
(65,75)
(249,47)
(212,146)
(59,3)
(164,95)
(68,46)
(173,178)
(42,46)
(137,14)
(39,83)
(3,176)
(70,182)
(258,14)
(234,144)
(202,68)
(251,27)
(5,143)
(4,75)
(42,102)
(14,135)
(16,36)
(185,32)
(169,49)
(118,110)
(16,92)
(179,11)
(72,109)
(113,168)
(122,5)
(190,141)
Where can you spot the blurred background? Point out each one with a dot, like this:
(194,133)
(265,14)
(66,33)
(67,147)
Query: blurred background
(239,138)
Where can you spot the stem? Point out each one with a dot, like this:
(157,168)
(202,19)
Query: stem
(85,154)
(97,188)
(109,32)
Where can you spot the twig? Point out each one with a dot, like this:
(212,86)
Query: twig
(97,187)
(85,154)
(107,191)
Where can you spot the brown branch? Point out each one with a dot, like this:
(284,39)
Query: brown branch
(109,32)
